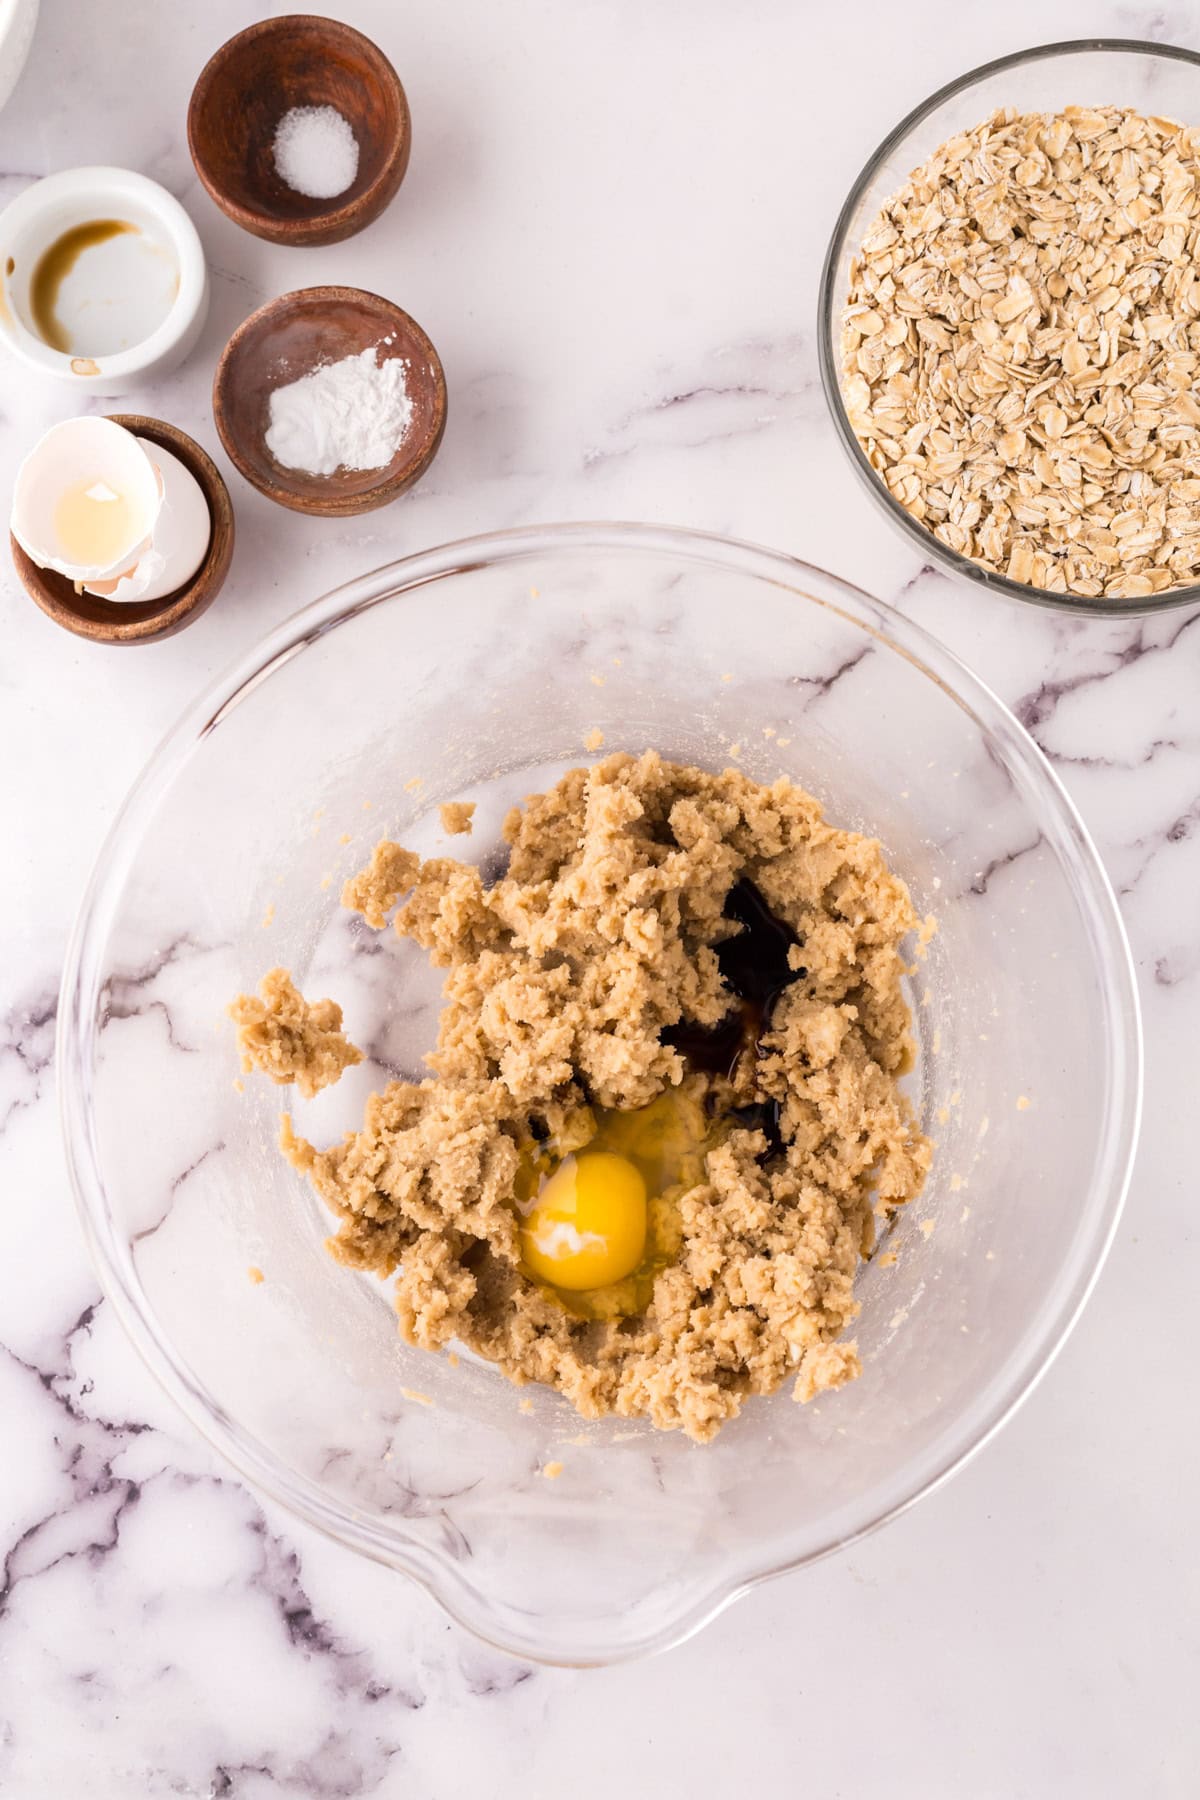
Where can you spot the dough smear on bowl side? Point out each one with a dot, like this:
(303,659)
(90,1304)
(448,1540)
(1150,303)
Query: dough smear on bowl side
(630,1175)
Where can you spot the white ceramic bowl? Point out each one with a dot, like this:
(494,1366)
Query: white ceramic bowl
(18,20)
(41,215)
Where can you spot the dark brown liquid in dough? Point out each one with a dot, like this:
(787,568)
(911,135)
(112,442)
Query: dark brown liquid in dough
(755,965)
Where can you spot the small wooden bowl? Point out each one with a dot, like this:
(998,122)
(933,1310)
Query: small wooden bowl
(142,621)
(258,76)
(288,338)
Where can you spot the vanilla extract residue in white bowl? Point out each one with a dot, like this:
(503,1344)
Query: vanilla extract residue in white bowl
(102,278)
(102,286)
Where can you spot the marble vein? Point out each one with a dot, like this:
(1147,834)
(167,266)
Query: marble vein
(26,1052)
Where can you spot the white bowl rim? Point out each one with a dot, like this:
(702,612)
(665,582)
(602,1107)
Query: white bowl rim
(18,28)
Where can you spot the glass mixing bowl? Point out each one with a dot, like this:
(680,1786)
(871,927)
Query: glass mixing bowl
(1156,79)
(480,671)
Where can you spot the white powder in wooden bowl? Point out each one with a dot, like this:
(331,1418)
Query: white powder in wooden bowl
(352,414)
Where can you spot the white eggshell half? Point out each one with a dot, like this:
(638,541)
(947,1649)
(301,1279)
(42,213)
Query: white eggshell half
(88,449)
(182,533)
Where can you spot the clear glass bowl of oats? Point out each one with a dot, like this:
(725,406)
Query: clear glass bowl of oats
(477,673)
(1007,327)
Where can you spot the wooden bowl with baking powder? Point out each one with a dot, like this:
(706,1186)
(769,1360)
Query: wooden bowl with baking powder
(244,91)
(288,338)
(142,621)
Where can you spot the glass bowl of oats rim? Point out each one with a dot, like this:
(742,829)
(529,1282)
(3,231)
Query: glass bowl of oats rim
(479,672)
(1061,465)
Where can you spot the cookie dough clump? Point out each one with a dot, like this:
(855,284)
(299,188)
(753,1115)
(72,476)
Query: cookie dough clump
(289,1038)
(457,817)
(566,980)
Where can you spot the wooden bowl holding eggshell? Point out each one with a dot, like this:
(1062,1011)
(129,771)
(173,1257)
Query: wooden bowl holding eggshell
(137,621)
(288,338)
(248,87)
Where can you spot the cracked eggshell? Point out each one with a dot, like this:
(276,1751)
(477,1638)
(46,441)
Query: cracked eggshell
(77,450)
(182,534)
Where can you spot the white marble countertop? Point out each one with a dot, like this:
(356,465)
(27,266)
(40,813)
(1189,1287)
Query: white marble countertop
(612,228)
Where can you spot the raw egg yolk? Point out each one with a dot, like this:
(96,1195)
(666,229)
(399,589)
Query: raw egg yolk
(586,1228)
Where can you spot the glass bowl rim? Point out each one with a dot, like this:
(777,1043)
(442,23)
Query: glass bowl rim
(932,548)
(467,1604)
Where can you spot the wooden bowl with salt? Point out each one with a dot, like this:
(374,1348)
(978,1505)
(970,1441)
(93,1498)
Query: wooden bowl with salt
(287,339)
(250,85)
